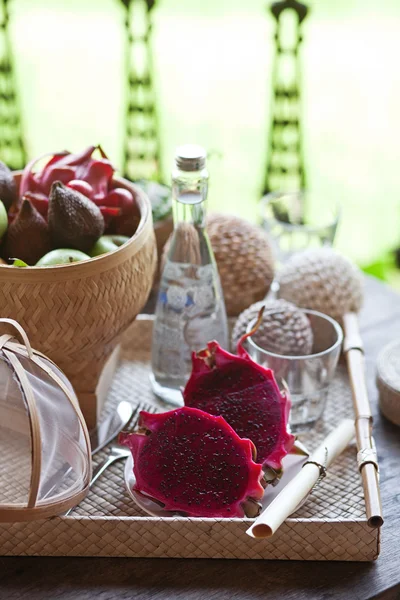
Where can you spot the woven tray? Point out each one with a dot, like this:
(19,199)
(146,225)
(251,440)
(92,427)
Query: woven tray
(331,525)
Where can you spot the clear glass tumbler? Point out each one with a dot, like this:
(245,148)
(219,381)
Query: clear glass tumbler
(297,221)
(307,377)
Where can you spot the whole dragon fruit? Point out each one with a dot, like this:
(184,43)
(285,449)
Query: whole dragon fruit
(247,396)
(84,173)
(96,173)
(195,463)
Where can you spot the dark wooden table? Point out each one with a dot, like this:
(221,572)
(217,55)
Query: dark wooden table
(154,579)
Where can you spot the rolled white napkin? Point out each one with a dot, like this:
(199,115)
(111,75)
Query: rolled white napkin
(301,485)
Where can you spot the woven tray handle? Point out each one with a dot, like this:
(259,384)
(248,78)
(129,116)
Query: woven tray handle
(21,332)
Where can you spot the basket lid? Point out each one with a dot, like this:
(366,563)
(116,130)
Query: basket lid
(45,461)
(388,381)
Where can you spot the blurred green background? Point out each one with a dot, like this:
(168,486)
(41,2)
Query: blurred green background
(212,65)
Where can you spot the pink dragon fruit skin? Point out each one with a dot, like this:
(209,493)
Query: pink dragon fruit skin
(195,463)
(93,177)
(57,164)
(94,174)
(246,395)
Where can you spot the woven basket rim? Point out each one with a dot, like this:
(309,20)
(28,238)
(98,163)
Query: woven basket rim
(238,520)
(96,264)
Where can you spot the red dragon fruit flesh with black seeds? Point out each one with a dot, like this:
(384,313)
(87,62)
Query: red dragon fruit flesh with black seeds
(247,396)
(194,463)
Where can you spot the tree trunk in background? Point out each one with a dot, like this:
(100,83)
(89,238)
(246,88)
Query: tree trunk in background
(12,149)
(141,139)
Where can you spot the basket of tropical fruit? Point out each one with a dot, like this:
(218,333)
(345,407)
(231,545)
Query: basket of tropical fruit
(78,257)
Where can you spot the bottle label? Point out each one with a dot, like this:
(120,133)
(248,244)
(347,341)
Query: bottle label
(190,313)
(188,289)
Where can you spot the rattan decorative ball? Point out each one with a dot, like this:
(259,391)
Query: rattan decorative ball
(324,280)
(244,258)
(284,328)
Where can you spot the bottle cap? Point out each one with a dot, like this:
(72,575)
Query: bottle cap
(190,157)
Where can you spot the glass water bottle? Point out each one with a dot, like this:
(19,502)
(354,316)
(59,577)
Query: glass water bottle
(190,307)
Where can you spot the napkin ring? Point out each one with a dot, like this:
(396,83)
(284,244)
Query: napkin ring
(365,456)
(322,468)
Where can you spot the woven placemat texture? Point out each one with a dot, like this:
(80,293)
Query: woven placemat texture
(331,525)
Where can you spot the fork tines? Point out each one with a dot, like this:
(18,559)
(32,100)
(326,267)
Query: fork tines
(151,408)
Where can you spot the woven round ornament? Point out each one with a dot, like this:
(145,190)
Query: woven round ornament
(244,258)
(284,328)
(324,280)
(388,381)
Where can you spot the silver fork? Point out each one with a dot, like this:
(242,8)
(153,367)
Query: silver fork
(117,452)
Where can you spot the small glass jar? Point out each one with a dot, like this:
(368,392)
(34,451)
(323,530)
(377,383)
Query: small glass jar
(308,377)
(297,221)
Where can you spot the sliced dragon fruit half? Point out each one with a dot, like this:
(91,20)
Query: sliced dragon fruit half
(247,396)
(195,463)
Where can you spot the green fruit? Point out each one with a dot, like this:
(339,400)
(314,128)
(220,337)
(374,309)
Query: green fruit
(3,219)
(62,256)
(17,262)
(108,243)
(119,240)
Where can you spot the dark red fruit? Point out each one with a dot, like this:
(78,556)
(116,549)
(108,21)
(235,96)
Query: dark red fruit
(27,237)
(83,187)
(110,211)
(122,198)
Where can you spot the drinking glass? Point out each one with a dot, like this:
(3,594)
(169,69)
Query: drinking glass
(298,220)
(307,377)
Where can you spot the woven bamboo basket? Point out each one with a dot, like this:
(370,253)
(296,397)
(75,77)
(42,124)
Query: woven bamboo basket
(75,314)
